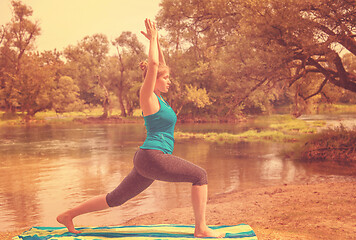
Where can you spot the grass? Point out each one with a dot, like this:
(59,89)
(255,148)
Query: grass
(94,112)
(250,135)
(51,117)
(276,128)
(338,108)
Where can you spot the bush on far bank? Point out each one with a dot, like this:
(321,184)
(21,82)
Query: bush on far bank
(336,145)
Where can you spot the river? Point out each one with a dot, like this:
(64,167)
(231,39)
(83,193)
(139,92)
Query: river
(45,170)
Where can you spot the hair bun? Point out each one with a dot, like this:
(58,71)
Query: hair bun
(143,65)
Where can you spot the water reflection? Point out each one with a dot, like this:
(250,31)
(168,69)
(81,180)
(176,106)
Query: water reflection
(46,170)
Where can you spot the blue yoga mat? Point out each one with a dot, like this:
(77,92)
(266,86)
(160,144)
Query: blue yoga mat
(160,231)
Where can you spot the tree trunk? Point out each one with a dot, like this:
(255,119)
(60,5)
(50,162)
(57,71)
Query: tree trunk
(120,96)
(129,107)
(8,107)
(106,101)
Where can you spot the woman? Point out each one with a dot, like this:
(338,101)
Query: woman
(153,160)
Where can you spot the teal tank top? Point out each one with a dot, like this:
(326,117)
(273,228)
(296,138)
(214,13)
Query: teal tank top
(160,128)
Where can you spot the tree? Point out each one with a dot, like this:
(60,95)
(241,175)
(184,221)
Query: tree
(312,35)
(190,79)
(33,85)
(17,39)
(106,100)
(129,54)
(206,60)
(254,47)
(86,62)
(65,95)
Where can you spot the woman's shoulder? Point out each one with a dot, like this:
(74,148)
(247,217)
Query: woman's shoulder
(150,105)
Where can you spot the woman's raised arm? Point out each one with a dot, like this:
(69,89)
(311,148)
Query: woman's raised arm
(160,52)
(153,62)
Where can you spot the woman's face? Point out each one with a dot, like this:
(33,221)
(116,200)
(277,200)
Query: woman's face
(163,82)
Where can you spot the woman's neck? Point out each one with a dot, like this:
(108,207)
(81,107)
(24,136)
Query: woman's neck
(157,92)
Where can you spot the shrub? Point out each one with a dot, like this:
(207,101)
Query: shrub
(336,145)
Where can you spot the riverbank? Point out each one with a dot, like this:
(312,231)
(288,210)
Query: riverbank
(94,116)
(311,211)
(320,209)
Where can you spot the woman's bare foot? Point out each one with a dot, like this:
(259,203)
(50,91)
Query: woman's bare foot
(67,221)
(207,232)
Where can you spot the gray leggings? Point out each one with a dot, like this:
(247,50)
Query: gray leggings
(150,165)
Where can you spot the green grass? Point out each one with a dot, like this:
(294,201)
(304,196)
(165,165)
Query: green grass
(276,128)
(94,112)
(51,117)
(338,108)
(250,135)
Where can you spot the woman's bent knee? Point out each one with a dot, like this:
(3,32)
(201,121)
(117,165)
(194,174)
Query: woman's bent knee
(202,178)
(110,200)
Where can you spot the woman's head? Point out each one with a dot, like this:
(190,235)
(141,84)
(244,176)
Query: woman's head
(162,82)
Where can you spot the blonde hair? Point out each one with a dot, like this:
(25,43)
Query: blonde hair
(161,69)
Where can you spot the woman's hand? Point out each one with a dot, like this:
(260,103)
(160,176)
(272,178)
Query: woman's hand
(151,31)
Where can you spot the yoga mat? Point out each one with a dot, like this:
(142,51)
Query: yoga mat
(140,232)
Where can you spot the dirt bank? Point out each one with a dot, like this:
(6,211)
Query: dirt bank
(310,211)
(320,210)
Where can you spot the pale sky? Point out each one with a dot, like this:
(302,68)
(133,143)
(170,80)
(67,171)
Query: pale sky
(65,22)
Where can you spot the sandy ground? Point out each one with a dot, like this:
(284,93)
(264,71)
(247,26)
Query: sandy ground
(321,211)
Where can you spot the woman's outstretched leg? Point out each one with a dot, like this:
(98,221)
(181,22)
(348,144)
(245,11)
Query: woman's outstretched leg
(199,201)
(132,185)
(94,204)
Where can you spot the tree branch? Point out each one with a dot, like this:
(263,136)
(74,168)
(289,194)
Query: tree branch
(347,41)
(238,101)
(319,90)
(349,81)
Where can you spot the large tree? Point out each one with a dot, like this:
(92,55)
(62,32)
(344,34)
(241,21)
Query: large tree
(34,85)
(86,62)
(258,49)
(17,38)
(65,95)
(126,77)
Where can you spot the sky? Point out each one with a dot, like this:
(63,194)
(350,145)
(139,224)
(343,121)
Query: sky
(66,22)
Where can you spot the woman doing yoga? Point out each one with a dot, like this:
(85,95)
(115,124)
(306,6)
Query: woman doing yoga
(154,159)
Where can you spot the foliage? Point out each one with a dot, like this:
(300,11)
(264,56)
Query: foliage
(65,96)
(333,145)
(227,58)
(85,63)
(126,76)
(194,98)
(18,37)
(197,96)
(33,85)
(259,52)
